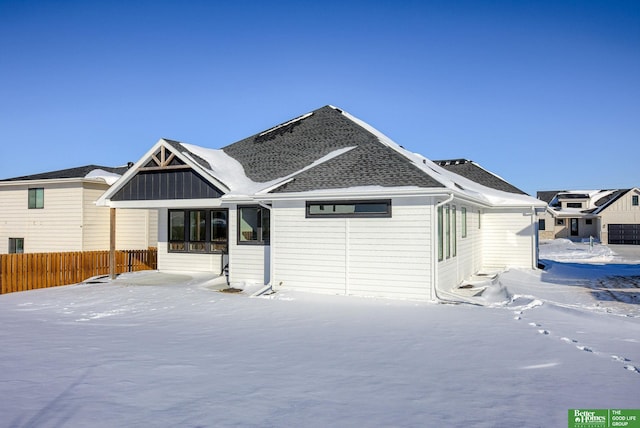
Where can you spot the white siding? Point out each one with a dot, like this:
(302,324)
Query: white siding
(468,259)
(56,227)
(361,256)
(247,263)
(70,220)
(508,238)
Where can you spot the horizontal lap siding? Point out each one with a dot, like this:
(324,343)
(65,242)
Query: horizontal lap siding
(362,256)
(55,228)
(507,236)
(247,263)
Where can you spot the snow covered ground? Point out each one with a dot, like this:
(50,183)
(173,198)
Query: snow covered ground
(159,350)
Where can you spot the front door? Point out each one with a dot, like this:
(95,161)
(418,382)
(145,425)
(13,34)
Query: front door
(574,227)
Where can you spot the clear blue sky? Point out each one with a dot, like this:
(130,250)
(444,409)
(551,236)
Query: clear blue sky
(545,94)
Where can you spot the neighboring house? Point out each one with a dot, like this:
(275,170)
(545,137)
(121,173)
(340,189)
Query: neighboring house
(610,216)
(56,212)
(324,202)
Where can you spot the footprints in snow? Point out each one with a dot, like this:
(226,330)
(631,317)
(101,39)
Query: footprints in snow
(630,367)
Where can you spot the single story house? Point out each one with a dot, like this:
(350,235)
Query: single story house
(611,216)
(324,202)
(56,212)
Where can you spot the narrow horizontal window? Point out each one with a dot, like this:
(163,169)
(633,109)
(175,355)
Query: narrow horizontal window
(378,208)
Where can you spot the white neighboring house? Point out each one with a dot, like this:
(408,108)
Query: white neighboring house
(325,202)
(611,216)
(56,212)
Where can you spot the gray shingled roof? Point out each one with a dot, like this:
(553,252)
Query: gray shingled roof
(475,172)
(288,148)
(548,195)
(77,172)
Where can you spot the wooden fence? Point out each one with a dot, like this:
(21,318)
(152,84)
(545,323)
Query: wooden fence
(21,272)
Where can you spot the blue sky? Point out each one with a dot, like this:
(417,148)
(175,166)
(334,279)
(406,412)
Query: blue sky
(545,94)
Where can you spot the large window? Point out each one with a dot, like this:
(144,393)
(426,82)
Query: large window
(378,208)
(253,225)
(36,198)
(16,245)
(198,231)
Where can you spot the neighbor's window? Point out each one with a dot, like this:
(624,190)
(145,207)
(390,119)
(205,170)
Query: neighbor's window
(588,221)
(36,198)
(253,225)
(560,222)
(634,200)
(574,204)
(198,231)
(542,223)
(463,211)
(16,245)
(379,208)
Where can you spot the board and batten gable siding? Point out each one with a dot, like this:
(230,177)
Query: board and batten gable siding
(468,259)
(185,262)
(508,237)
(55,228)
(358,256)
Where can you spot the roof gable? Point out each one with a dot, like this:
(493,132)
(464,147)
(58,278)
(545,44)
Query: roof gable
(169,171)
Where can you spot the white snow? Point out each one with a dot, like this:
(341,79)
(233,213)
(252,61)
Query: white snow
(108,177)
(231,172)
(166,349)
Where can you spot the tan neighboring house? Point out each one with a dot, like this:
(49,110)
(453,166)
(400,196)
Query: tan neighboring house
(56,212)
(609,216)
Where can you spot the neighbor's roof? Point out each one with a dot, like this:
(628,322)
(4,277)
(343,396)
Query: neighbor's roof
(475,172)
(77,172)
(596,200)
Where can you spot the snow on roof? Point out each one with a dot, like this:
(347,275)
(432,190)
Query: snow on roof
(229,171)
(108,177)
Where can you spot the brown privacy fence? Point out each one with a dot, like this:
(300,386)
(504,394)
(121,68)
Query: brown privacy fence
(21,272)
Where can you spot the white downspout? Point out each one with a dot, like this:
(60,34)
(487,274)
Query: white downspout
(434,245)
